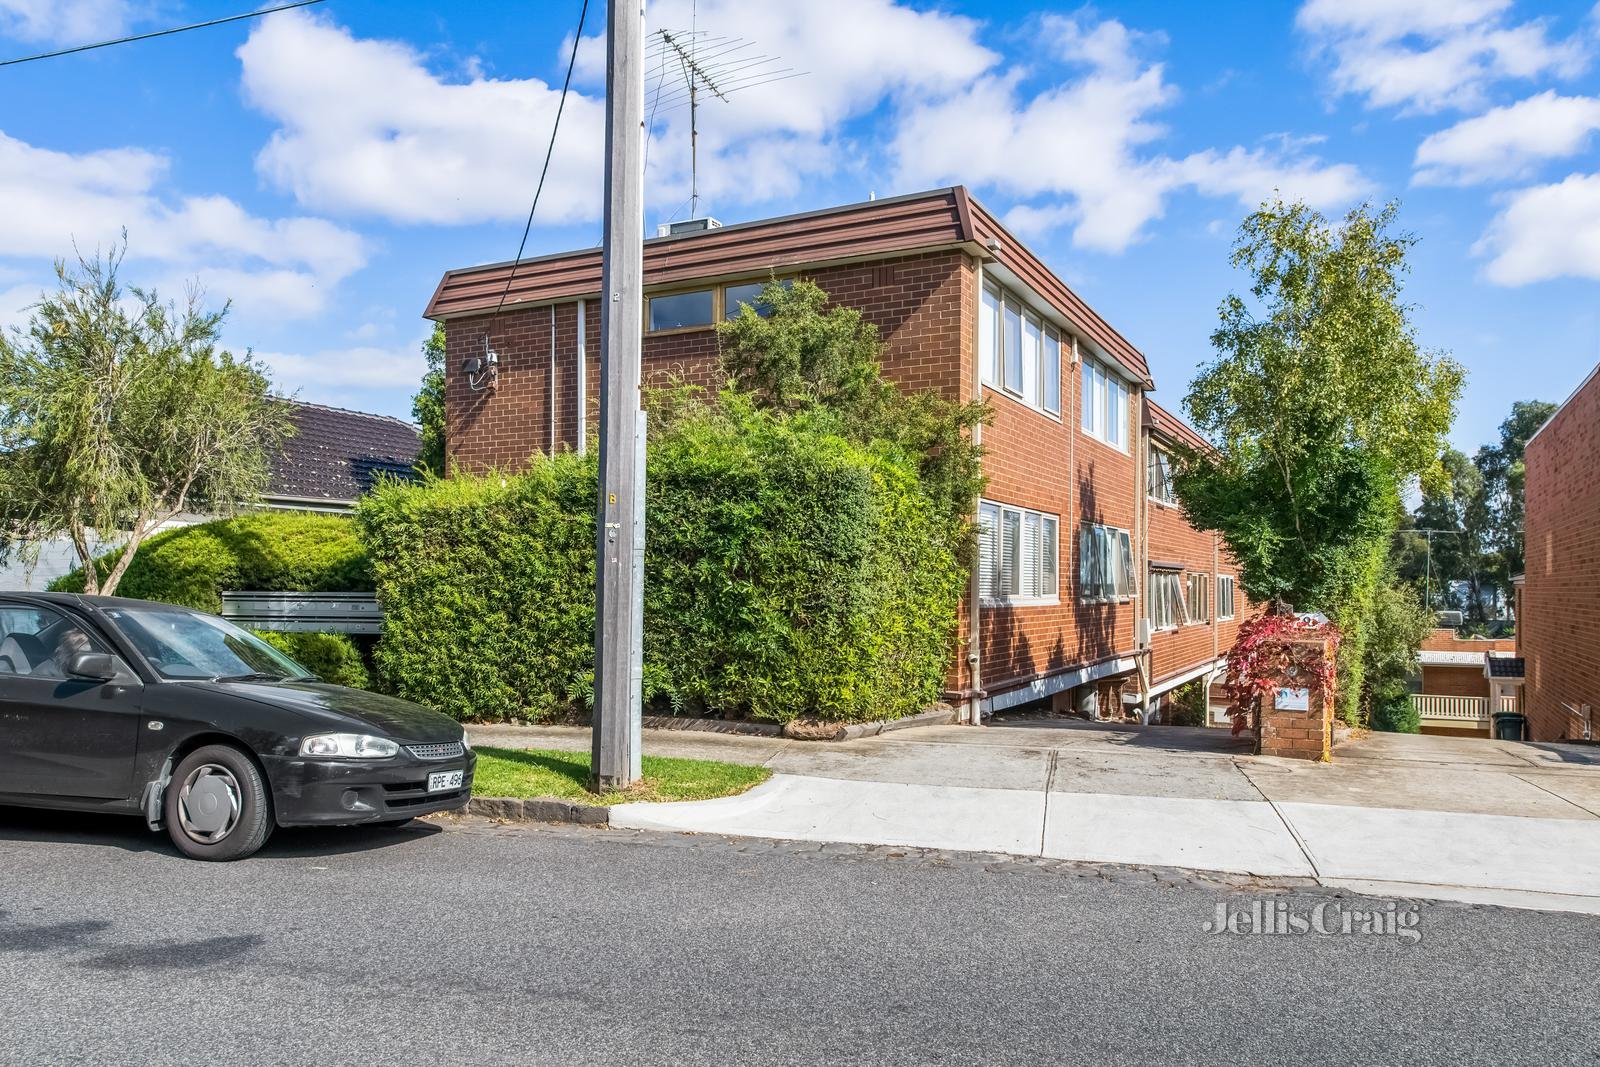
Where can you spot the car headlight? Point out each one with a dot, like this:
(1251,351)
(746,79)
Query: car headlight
(466,742)
(349,746)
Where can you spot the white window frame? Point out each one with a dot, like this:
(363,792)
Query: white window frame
(1158,476)
(1168,608)
(1229,583)
(1105,564)
(1197,591)
(1019,554)
(1104,404)
(1027,374)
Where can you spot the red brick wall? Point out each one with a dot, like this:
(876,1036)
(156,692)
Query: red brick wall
(1559,624)
(915,301)
(1453,680)
(1050,465)
(1445,640)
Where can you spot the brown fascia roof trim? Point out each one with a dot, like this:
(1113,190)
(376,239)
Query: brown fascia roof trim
(872,229)
(1165,424)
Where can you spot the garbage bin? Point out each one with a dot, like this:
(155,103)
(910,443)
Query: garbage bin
(1510,726)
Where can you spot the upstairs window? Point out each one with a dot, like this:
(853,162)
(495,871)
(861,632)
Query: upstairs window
(1105,563)
(747,293)
(1225,606)
(1019,351)
(1105,404)
(1167,608)
(1158,475)
(674,311)
(1018,551)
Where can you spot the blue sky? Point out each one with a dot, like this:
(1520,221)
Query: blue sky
(322,168)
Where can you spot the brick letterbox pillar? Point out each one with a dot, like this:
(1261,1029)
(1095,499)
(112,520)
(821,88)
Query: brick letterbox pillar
(1296,714)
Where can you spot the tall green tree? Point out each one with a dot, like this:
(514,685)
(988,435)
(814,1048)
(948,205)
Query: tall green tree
(1321,404)
(118,413)
(427,407)
(1454,510)
(1504,476)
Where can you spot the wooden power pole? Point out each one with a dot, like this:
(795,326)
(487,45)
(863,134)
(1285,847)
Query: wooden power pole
(619,566)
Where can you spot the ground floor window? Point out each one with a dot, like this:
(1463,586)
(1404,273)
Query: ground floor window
(1199,597)
(1018,550)
(1105,563)
(1167,609)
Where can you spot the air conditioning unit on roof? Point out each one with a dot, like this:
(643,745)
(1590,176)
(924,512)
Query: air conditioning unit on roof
(671,229)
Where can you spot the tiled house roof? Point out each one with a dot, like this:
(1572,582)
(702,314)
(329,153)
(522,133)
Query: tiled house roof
(1505,666)
(336,455)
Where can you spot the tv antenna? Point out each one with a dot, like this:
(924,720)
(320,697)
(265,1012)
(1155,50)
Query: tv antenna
(700,62)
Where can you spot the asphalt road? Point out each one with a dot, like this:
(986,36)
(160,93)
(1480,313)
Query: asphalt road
(484,944)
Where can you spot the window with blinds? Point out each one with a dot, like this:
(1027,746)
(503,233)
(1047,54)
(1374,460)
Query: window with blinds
(1018,550)
(1105,563)
(1167,609)
(1225,605)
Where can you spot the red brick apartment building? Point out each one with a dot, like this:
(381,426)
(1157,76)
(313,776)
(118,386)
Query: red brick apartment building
(1558,599)
(1073,537)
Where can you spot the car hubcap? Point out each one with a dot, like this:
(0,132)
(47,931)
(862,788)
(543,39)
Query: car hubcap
(208,803)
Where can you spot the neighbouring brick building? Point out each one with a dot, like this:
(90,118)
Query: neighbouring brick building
(964,308)
(1558,600)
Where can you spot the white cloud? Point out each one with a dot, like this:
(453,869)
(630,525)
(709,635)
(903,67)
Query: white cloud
(1507,142)
(1548,231)
(55,200)
(367,128)
(64,22)
(1081,144)
(360,367)
(1429,55)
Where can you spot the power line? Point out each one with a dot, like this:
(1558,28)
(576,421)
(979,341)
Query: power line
(572,61)
(158,33)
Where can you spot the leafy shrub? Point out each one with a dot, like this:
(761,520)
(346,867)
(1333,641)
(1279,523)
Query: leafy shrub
(1394,712)
(332,657)
(1190,703)
(788,573)
(265,551)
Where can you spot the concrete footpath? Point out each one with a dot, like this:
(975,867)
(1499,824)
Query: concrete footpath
(1447,818)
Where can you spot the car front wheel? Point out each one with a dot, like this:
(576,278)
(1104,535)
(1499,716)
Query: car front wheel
(217,806)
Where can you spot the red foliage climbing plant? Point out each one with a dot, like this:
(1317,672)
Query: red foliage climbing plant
(1269,647)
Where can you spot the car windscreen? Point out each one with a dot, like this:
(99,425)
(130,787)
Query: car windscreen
(185,644)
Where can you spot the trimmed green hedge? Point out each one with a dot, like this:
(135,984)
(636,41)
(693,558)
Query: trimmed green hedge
(264,551)
(332,657)
(788,573)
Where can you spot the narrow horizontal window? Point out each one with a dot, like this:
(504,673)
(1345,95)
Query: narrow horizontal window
(677,310)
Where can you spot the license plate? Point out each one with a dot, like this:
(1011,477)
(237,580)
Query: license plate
(444,781)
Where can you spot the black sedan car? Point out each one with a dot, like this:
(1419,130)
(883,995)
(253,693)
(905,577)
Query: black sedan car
(200,727)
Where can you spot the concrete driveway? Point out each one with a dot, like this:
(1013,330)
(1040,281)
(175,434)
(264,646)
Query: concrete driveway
(1449,818)
(1404,771)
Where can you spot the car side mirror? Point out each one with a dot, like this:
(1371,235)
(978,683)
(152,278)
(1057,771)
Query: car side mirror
(93,666)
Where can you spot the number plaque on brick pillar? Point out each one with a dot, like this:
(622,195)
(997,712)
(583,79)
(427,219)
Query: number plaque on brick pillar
(1297,711)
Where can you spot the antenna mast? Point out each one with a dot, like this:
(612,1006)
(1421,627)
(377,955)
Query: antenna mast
(705,63)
